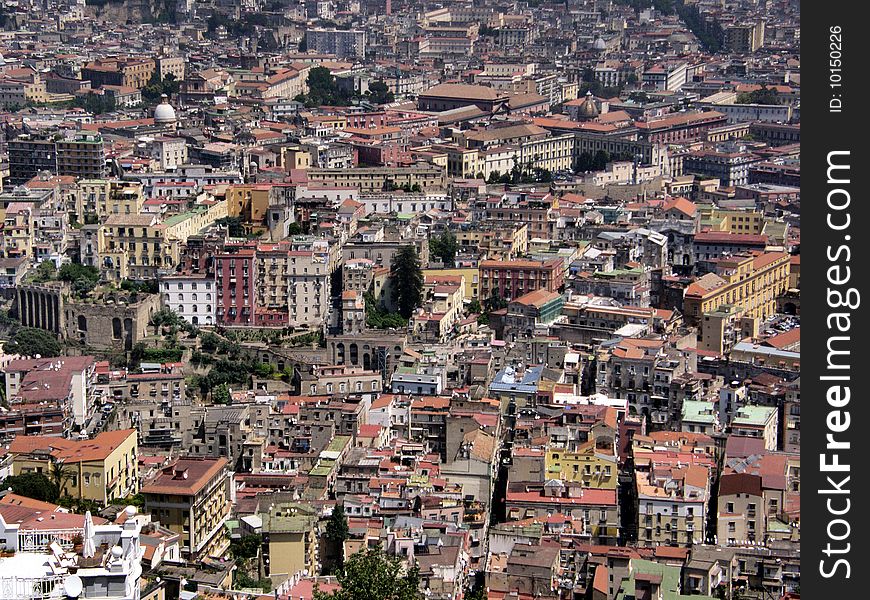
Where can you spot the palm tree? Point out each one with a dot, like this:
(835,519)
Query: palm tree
(60,475)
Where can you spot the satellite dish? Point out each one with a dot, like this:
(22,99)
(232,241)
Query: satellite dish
(73,586)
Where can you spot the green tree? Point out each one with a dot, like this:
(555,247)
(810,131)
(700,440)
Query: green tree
(94,103)
(337,530)
(495,302)
(82,278)
(46,271)
(379,93)
(221,394)
(247,547)
(336,527)
(599,162)
(373,575)
(445,248)
(28,341)
(474,307)
(33,485)
(209,342)
(478,593)
(323,90)
(233,224)
(407,280)
(763,95)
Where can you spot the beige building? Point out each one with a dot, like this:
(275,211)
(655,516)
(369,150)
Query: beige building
(672,505)
(290,541)
(293,282)
(190,498)
(741,516)
(374,179)
(724,327)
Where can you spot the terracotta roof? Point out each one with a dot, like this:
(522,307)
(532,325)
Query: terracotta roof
(186,477)
(682,205)
(72,451)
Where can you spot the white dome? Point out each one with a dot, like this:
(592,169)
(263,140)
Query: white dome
(164,113)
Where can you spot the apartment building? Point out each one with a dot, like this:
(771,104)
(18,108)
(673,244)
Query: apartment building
(141,241)
(78,155)
(741,516)
(290,541)
(104,469)
(672,502)
(236,281)
(349,43)
(193,297)
(66,380)
(129,72)
(428,177)
(511,279)
(292,285)
(598,508)
(750,281)
(190,498)
(169,152)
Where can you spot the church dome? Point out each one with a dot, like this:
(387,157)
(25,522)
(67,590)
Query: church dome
(164,113)
(588,109)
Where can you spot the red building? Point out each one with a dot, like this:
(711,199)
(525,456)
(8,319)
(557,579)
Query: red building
(366,120)
(515,278)
(236,275)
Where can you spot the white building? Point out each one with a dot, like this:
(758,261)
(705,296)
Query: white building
(193,297)
(169,152)
(111,572)
(415,203)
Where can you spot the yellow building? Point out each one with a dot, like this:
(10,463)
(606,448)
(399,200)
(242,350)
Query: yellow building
(249,202)
(103,469)
(16,238)
(470,277)
(732,221)
(289,540)
(295,158)
(190,498)
(461,162)
(751,282)
(594,467)
(373,179)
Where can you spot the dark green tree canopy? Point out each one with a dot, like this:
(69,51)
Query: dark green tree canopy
(379,93)
(407,280)
(33,485)
(28,341)
(444,247)
(373,575)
